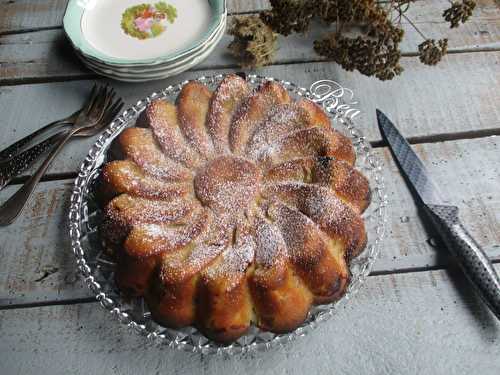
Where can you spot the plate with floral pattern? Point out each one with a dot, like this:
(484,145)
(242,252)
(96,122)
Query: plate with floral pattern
(159,71)
(141,32)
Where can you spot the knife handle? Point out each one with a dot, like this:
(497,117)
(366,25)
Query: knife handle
(23,160)
(470,256)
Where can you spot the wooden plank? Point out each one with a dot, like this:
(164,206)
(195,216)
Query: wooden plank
(39,56)
(417,323)
(466,83)
(41,267)
(22,15)
(19,15)
(47,55)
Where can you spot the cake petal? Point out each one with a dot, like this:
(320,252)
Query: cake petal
(124,176)
(172,297)
(281,299)
(147,239)
(133,275)
(316,114)
(146,243)
(224,309)
(347,182)
(162,118)
(140,146)
(305,143)
(225,101)
(319,262)
(192,108)
(125,211)
(282,120)
(253,111)
(338,220)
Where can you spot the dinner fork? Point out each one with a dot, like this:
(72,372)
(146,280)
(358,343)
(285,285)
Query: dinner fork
(100,109)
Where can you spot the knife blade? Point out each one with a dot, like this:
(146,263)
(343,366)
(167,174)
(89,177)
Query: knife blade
(471,258)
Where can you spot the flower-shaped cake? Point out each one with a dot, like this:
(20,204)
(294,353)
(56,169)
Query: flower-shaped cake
(233,207)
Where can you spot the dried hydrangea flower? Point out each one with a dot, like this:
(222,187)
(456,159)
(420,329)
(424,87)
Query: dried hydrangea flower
(254,42)
(287,16)
(459,12)
(431,52)
(367,32)
(369,57)
(375,53)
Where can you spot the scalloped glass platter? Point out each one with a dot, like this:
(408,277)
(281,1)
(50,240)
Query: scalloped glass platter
(141,40)
(97,268)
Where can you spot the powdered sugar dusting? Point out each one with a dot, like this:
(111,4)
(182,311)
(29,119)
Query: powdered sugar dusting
(162,117)
(227,184)
(235,259)
(255,109)
(228,223)
(313,141)
(135,210)
(202,255)
(166,237)
(300,233)
(231,92)
(124,176)
(270,246)
(193,106)
(145,152)
(283,120)
(318,203)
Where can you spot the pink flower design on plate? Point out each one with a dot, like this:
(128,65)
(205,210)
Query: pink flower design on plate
(144,24)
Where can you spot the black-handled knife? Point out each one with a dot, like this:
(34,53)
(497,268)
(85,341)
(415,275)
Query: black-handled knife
(470,256)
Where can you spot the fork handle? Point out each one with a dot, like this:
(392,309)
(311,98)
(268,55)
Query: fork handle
(11,209)
(15,148)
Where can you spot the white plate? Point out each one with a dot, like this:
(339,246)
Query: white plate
(101,27)
(141,32)
(158,67)
(163,73)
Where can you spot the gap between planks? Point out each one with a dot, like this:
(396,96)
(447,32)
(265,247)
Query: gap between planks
(435,138)
(26,303)
(235,7)
(411,324)
(37,58)
(466,107)
(58,27)
(90,75)
(407,249)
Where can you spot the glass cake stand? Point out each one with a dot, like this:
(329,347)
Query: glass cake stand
(97,268)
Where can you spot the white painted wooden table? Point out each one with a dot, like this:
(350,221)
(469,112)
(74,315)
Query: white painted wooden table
(416,314)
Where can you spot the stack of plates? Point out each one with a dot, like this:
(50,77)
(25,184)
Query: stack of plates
(137,40)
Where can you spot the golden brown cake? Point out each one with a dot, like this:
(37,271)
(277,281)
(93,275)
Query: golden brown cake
(234,207)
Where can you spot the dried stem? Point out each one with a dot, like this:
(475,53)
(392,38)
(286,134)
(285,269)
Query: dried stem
(414,26)
(374,51)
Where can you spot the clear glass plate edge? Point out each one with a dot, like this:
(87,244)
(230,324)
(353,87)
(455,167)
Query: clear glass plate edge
(190,339)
